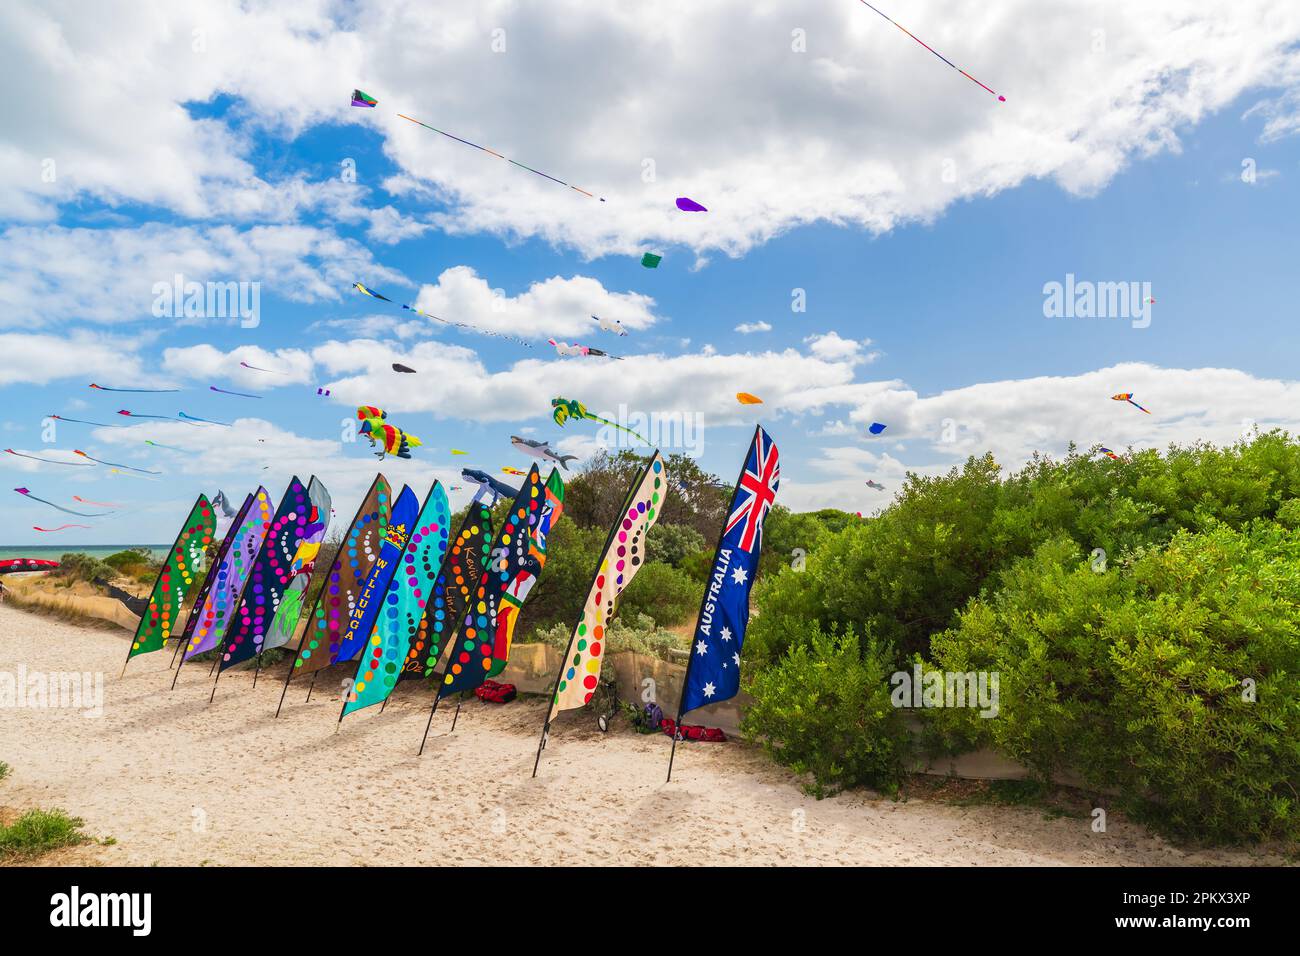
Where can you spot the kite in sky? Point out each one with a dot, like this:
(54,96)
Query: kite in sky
(368,101)
(876,428)
(323,391)
(158,444)
(689,205)
(105,388)
(402,368)
(49,461)
(101,504)
(651,261)
(1128,397)
(747,399)
(163,418)
(113,464)
(542,450)
(240,394)
(60,527)
(1001,98)
(361,99)
(567,350)
(127,474)
(429,315)
(390,438)
(564,409)
(256,369)
(68,511)
(610,325)
(207,421)
(514,471)
(875,485)
(78,421)
(1108,453)
(457,451)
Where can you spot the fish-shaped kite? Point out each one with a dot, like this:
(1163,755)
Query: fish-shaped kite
(1128,397)
(610,325)
(49,461)
(747,399)
(391,439)
(567,350)
(564,409)
(542,450)
(486,482)
(69,511)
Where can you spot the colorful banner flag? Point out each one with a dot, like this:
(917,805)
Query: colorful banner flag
(399,623)
(338,597)
(267,578)
(282,627)
(525,568)
(227,539)
(177,575)
(232,572)
(622,557)
(362,623)
(466,559)
(471,654)
(713,671)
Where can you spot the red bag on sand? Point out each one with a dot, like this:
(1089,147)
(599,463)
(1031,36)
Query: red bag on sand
(694,732)
(495,693)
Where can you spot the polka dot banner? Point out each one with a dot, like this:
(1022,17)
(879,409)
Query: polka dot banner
(370,602)
(180,573)
(267,578)
(404,605)
(471,655)
(232,572)
(623,556)
(527,565)
(466,559)
(214,573)
(351,567)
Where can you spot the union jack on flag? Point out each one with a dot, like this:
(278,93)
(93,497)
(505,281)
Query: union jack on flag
(756,490)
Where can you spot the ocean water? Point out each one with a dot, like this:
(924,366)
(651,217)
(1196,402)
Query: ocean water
(54,552)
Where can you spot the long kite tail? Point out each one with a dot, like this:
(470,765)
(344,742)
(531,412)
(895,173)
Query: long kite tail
(606,421)
(1136,405)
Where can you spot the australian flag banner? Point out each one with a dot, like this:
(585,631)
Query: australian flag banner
(713,673)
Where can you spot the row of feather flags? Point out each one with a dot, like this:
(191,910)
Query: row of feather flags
(407,598)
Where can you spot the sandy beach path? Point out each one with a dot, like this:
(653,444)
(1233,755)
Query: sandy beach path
(176,781)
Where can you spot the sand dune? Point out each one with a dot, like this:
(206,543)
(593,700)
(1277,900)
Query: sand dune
(177,781)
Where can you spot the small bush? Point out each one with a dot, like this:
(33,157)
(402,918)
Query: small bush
(40,831)
(638,634)
(4,770)
(661,592)
(824,709)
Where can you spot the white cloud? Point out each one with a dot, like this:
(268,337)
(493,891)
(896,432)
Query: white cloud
(108,275)
(748,328)
(864,129)
(206,363)
(31,358)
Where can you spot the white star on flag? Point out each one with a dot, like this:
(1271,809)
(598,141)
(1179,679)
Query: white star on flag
(736,658)
(701,648)
(709,689)
(738,575)
(725,634)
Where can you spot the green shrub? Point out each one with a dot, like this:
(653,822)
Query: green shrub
(39,831)
(636,633)
(672,543)
(78,566)
(661,592)
(1133,677)
(824,709)
(4,770)
(132,562)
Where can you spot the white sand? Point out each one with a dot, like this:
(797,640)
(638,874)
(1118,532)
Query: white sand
(293,792)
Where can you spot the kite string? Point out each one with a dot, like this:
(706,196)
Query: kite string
(1000,97)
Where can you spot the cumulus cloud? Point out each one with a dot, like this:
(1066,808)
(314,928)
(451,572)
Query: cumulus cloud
(109,275)
(748,328)
(831,115)
(31,358)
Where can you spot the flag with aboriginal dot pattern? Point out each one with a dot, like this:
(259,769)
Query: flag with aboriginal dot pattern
(623,556)
(179,573)
(403,607)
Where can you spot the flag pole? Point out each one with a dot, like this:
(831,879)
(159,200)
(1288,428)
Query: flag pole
(432,709)
(690,654)
(609,540)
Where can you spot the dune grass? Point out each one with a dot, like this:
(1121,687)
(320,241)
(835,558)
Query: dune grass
(39,831)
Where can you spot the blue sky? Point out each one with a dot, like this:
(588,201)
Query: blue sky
(924,294)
